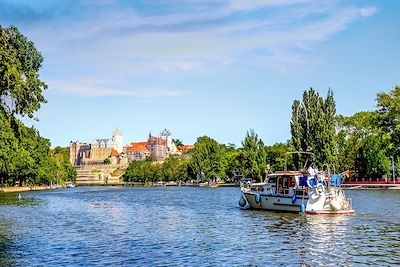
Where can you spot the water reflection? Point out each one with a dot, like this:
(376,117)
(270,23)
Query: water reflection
(187,227)
(17,199)
(5,242)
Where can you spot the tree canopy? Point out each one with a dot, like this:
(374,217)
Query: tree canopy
(20,87)
(253,156)
(25,156)
(313,127)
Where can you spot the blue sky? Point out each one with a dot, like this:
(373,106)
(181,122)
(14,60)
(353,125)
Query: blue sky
(202,67)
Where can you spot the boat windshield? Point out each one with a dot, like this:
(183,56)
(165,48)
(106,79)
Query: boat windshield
(272,180)
(284,182)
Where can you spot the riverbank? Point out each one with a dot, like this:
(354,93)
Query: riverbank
(16,189)
(370,186)
(156,184)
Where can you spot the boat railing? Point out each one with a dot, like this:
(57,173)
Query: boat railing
(350,203)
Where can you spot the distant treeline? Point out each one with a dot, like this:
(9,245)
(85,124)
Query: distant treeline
(211,161)
(25,156)
(363,143)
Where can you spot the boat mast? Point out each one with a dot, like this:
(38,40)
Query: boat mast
(297,152)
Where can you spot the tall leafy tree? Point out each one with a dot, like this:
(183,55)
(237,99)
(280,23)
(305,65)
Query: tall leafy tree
(388,117)
(207,159)
(253,156)
(313,126)
(231,160)
(363,145)
(20,87)
(62,170)
(25,156)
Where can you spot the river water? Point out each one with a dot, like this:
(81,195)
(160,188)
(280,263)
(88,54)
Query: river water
(186,226)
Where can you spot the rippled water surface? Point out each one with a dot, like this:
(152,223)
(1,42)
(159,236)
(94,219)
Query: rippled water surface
(183,226)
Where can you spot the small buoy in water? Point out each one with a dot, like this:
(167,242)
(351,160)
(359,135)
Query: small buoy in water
(19,196)
(242,202)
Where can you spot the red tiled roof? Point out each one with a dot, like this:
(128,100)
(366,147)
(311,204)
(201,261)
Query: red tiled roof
(137,147)
(115,153)
(185,147)
(139,143)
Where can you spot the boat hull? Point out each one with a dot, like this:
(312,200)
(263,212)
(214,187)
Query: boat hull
(275,203)
(327,212)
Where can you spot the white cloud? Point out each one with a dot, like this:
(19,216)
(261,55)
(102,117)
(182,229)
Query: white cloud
(125,41)
(90,86)
(254,4)
(368,11)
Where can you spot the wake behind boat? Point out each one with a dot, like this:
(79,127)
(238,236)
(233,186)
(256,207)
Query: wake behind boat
(309,191)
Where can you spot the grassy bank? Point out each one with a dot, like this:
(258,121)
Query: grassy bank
(14,189)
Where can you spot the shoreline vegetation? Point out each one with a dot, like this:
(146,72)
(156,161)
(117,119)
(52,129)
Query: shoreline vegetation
(346,186)
(17,189)
(26,158)
(366,143)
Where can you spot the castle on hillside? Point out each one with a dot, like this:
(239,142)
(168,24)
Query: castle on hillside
(156,147)
(116,142)
(98,150)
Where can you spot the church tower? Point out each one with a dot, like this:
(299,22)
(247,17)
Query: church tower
(167,137)
(117,140)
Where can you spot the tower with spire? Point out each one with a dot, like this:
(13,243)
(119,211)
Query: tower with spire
(117,140)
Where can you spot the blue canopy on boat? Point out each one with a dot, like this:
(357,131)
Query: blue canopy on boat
(335,180)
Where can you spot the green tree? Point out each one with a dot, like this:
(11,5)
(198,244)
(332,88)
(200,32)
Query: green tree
(275,156)
(362,145)
(183,169)
(62,170)
(9,146)
(313,126)
(232,161)
(20,86)
(177,142)
(172,169)
(132,173)
(253,156)
(207,158)
(371,160)
(25,156)
(175,168)
(388,117)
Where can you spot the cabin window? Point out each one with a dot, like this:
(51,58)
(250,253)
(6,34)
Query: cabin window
(282,184)
(285,182)
(292,181)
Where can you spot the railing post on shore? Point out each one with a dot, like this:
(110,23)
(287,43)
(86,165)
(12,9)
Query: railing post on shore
(393,169)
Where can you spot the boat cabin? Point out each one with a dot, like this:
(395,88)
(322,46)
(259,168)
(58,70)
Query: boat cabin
(284,183)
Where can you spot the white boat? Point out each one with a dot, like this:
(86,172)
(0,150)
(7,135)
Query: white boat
(70,184)
(309,191)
